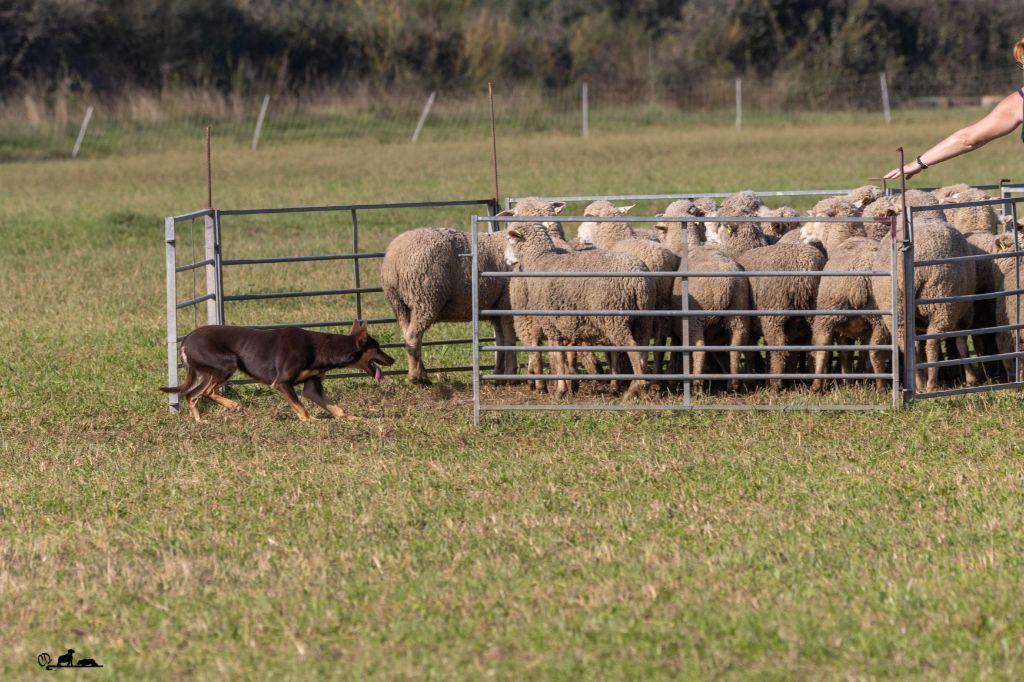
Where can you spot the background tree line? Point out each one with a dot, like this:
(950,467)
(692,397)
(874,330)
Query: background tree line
(234,46)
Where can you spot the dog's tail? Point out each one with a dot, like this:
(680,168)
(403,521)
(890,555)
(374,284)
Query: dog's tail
(185,386)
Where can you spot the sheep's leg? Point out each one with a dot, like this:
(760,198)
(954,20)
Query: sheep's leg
(969,370)
(505,334)
(739,335)
(933,351)
(774,330)
(414,349)
(660,336)
(921,375)
(823,333)
(877,357)
(620,334)
(570,361)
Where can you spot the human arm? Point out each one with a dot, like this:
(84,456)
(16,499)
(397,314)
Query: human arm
(1006,116)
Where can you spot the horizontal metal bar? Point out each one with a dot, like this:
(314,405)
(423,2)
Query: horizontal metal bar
(970,361)
(682,313)
(689,195)
(968,259)
(987,388)
(193,266)
(652,349)
(691,274)
(301,259)
(677,219)
(300,294)
(970,332)
(312,325)
(683,408)
(675,377)
(439,342)
(357,375)
(195,301)
(193,215)
(962,204)
(969,297)
(357,207)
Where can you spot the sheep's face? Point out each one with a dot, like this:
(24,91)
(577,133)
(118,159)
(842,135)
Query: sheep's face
(512,248)
(538,208)
(712,232)
(585,233)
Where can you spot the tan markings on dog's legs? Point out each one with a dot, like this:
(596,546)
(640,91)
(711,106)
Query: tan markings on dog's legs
(288,393)
(314,390)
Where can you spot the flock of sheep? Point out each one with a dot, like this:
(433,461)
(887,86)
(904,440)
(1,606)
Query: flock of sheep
(426,276)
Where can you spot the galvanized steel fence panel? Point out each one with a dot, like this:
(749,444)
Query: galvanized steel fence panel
(687,377)
(213,263)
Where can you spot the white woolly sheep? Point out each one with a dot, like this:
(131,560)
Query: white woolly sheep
(426,280)
(933,239)
(531,247)
(783,293)
(848,292)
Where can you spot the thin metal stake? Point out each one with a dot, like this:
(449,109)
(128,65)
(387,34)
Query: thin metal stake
(739,103)
(259,122)
(423,115)
(494,145)
(81,132)
(586,110)
(885,97)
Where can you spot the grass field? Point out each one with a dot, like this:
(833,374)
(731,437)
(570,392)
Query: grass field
(774,546)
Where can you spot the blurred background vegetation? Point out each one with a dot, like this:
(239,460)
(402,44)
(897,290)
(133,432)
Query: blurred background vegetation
(365,66)
(232,46)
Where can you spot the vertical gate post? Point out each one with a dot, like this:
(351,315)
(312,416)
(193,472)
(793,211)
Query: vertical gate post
(684,266)
(1016,298)
(212,278)
(219,266)
(475,297)
(909,310)
(897,384)
(355,252)
(172,314)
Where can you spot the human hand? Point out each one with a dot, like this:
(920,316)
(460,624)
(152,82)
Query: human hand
(909,170)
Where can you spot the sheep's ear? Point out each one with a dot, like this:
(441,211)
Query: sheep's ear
(661,226)
(731,229)
(515,235)
(890,212)
(625,209)
(558,206)
(506,212)
(659,215)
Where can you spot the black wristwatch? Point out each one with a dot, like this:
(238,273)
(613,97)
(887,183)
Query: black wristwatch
(921,163)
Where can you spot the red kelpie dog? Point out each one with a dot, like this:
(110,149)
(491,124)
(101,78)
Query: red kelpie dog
(279,357)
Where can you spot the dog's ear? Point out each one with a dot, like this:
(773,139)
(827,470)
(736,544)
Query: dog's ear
(359,332)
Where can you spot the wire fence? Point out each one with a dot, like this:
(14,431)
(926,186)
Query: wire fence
(39,126)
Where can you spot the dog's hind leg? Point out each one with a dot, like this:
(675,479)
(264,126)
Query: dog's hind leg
(287,392)
(194,395)
(211,392)
(314,390)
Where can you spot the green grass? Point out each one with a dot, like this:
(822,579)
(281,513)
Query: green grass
(777,546)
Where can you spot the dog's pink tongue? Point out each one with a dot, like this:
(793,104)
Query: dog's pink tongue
(378,375)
